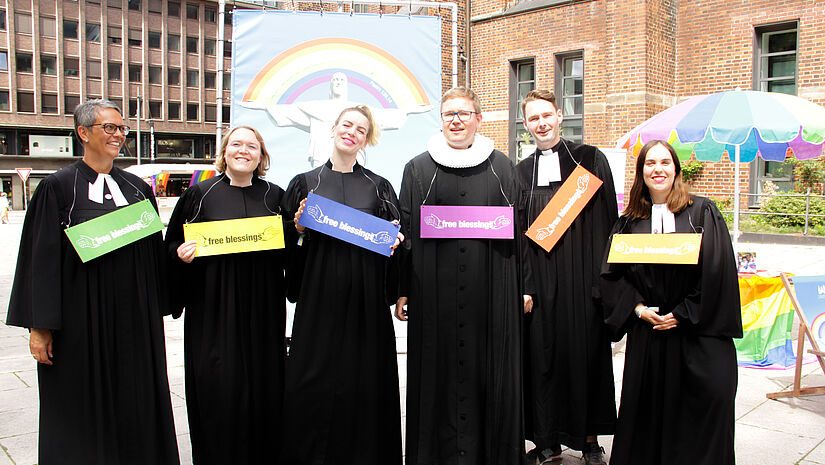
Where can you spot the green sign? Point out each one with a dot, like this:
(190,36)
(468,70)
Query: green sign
(112,231)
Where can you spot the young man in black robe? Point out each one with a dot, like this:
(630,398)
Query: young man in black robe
(96,327)
(568,368)
(464,303)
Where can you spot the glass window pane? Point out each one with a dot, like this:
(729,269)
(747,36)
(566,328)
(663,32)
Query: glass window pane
(48,64)
(153,39)
(523,89)
(526,72)
(781,66)
(70,103)
(191,78)
(783,87)
(227,80)
(155,75)
(155,111)
(23,62)
(210,113)
(48,27)
(173,109)
(115,36)
(573,106)
(209,47)
(155,6)
(4,102)
(192,111)
(173,42)
(191,11)
(93,69)
(69,29)
(114,71)
(135,73)
(574,67)
(25,102)
(23,24)
(3,28)
(48,103)
(134,5)
(210,14)
(71,66)
(93,32)
(191,44)
(173,77)
(173,9)
(781,42)
(209,80)
(135,37)
(4,61)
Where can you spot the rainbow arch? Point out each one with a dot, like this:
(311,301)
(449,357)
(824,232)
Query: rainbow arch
(287,76)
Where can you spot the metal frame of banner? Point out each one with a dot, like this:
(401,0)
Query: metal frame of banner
(804,331)
(261,4)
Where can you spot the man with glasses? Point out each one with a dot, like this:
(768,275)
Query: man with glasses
(463,301)
(569,393)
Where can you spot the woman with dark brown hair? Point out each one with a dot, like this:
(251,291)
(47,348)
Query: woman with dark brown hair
(679,381)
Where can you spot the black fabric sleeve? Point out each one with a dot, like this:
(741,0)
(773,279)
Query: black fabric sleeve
(178,271)
(617,295)
(297,254)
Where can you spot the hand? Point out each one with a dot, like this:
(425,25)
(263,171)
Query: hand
(401,309)
(298,214)
(651,315)
(187,251)
(528,304)
(398,240)
(40,345)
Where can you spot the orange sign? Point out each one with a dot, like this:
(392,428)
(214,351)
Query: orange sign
(674,249)
(563,208)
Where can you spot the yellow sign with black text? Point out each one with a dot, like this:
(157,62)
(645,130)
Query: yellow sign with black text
(675,249)
(235,236)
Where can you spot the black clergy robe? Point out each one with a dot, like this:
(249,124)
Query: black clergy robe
(342,404)
(679,385)
(234,328)
(568,369)
(464,309)
(105,400)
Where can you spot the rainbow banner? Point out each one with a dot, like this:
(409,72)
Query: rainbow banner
(767,321)
(201,175)
(160,180)
(293,72)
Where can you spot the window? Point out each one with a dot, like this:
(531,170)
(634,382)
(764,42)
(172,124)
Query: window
(48,103)
(69,29)
(115,4)
(93,32)
(191,44)
(775,70)
(209,79)
(227,48)
(135,73)
(155,111)
(191,112)
(173,9)
(227,15)
(93,69)
(155,75)
(25,102)
(114,70)
(48,27)
(173,109)
(3,28)
(23,23)
(70,103)
(134,5)
(4,100)
(155,6)
(210,113)
(225,117)
(71,67)
(48,64)
(522,81)
(570,95)
(23,62)
(173,42)
(173,77)
(4,60)
(191,78)
(135,37)
(210,15)
(115,35)
(227,80)
(133,108)
(191,11)
(153,41)
(209,47)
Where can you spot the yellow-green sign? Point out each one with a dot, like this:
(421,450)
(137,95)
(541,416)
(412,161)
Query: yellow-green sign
(234,236)
(655,248)
(112,231)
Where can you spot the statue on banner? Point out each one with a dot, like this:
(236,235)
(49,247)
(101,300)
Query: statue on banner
(317,117)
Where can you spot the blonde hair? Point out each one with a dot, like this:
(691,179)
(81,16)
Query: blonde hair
(263,166)
(373,131)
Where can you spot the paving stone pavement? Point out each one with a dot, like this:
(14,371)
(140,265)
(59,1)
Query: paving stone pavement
(776,432)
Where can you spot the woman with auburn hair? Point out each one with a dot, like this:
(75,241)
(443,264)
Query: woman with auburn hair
(235,312)
(342,400)
(680,375)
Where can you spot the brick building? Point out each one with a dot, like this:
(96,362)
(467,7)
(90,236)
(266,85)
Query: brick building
(615,63)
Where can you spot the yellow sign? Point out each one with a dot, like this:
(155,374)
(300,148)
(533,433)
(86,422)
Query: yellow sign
(234,236)
(676,249)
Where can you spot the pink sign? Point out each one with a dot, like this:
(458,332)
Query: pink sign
(466,222)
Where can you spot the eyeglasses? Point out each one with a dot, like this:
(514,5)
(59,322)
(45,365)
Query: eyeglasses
(111,128)
(465,116)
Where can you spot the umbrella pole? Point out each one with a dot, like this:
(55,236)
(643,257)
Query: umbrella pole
(736,194)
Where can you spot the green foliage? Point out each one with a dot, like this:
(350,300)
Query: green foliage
(809,174)
(723,204)
(691,170)
(772,205)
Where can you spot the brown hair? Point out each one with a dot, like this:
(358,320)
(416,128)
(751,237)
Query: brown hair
(639,204)
(373,131)
(463,92)
(538,94)
(220,163)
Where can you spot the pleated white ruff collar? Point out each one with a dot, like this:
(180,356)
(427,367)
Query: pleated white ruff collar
(447,156)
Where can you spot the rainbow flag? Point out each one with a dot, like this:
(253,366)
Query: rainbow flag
(161,180)
(767,321)
(201,175)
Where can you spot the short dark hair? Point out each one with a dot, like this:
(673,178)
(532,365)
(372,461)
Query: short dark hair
(639,204)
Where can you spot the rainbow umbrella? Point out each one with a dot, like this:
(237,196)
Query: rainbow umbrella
(744,123)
